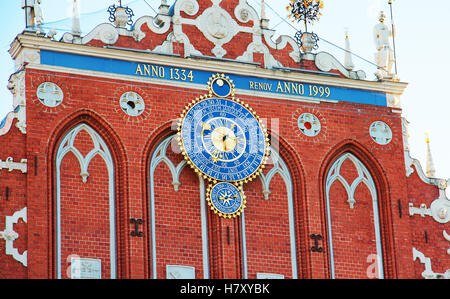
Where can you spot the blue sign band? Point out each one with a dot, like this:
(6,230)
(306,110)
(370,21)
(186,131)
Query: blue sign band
(172,73)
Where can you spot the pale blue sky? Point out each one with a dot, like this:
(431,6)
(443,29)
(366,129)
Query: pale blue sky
(423,46)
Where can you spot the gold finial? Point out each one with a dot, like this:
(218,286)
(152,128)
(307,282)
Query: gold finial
(348,64)
(431,170)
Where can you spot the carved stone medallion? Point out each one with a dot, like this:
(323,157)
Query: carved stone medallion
(309,124)
(132,103)
(50,94)
(380,132)
(218,27)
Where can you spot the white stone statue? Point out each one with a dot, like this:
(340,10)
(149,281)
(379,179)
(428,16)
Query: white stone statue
(385,54)
(33,12)
(38,15)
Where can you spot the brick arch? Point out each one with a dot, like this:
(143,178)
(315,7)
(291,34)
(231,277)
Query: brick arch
(355,149)
(118,159)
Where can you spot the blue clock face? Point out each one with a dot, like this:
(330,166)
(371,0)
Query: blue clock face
(226,199)
(223,140)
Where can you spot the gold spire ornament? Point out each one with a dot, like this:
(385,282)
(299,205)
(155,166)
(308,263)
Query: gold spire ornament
(307,11)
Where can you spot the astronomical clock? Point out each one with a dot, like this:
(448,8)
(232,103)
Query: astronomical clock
(224,141)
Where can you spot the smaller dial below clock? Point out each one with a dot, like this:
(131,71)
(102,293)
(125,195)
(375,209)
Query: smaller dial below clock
(226,199)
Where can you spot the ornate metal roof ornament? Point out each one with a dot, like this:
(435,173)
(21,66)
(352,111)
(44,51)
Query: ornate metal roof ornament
(120,15)
(307,11)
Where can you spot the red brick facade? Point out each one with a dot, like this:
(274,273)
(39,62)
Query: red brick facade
(60,203)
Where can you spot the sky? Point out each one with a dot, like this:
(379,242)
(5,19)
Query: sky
(422,44)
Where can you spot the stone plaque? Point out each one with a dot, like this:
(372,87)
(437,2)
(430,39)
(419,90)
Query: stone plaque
(269,276)
(84,268)
(180,272)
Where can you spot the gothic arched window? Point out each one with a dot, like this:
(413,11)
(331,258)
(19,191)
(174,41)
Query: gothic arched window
(353,220)
(85,203)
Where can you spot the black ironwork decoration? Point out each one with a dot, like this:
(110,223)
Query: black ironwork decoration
(112,13)
(316,239)
(307,11)
(136,222)
(313,38)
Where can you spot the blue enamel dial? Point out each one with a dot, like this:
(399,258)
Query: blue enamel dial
(226,199)
(223,139)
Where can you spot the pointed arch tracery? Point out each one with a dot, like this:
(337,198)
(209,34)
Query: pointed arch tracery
(363,177)
(279,167)
(160,155)
(100,148)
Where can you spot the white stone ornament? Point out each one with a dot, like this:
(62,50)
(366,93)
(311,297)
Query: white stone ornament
(422,210)
(327,62)
(309,124)
(132,103)
(11,165)
(380,132)
(428,273)
(446,237)
(439,209)
(16,85)
(50,94)
(9,235)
